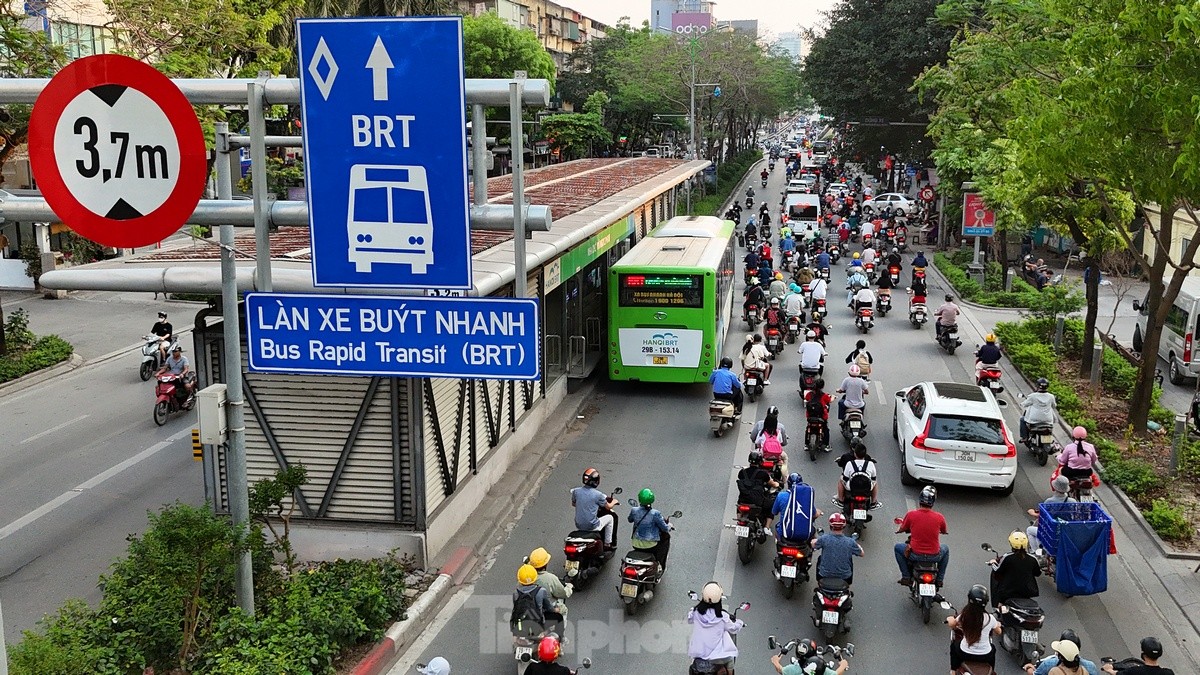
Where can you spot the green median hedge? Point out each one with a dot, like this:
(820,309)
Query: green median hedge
(44,352)
(992,292)
(729,174)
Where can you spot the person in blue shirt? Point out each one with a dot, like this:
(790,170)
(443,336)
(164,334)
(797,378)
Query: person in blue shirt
(823,260)
(837,551)
(593,508)
(764,270)
(794,512)
(651,532)
(787,244)
(726,386)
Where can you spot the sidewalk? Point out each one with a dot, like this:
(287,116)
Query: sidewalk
(99,323)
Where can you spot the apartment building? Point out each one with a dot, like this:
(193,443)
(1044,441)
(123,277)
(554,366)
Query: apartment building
(560,28)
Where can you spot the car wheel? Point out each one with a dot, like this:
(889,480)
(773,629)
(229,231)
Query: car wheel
(906,478)
(1176,375)
(895,428)
(900,212)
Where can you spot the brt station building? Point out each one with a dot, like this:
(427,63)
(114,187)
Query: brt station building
(400,463)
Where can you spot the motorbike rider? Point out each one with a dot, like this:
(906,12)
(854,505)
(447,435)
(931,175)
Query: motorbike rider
(549,649)
(861,358)
(917,292)
(818,327)
(1017,572)
(977,627)
(594,509)
(178,365)
(765,274)
(856,261)
(750,193)
(1044,666)
(651,532)
(1077,457)
(812,353)
(859,464)
(813,665)
(1060,489)
(894,259)
(1037,408)
(559,592)
(924,527)
(533,608)
(987,355)
(885,285)
(755,295)
(1152,651)
(793,303)
(816,406)
(837,551)
(755,485)
(755,356)
(436,666)
(947,315)
(164,331)
(855,283)
(854,390)
(726,386)
(868,254)
(795,511)
(822,261)
(818,289)
(786,243)
(764,174)
(778,287)
(770,436)
(864,299)
(774,317)
(712,628)
(752,261)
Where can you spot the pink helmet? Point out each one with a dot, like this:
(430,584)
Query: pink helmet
(1079,433)
(854,371)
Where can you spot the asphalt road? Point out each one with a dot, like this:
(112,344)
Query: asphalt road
(647,435)
(81,463)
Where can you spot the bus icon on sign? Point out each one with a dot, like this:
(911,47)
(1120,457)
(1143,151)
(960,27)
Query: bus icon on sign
(388,217)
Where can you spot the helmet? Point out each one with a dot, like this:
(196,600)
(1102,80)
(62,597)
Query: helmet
(816,316)
(807,647)
(1018,541)
(1043,384)
(854,370)
(549,649)
(778,275)
(646,497)
(811,335)
(539,558)
(895,250)
(814,664)
(928,496)
(856,256)
(837,521)
(1151,647)
(795,288)
(162,315)
(1070,635)
(749,337)
(591,477)
(1079,433)
(773,411)
(949,298)
(990,337)
(726,362)
(526,575)
(978,595)
(712,593)
(774,302)
(178,348)
(793,479)
(755,458)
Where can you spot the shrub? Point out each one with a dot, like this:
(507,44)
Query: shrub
(1189,460)
(1135,477)
(45,352)
(1168,521)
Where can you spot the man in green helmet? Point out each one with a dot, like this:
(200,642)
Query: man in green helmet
(651,532)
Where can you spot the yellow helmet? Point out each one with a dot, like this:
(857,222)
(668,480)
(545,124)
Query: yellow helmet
(526,575)
(779,275)
(856,255)
(539,558)
(990,337)
(1018,540)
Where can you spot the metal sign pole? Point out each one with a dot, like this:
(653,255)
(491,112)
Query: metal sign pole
(517,146)
(479,154)
(258,178)
(235,457)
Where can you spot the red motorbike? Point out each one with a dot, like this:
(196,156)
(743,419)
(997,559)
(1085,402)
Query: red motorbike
(989,377)
(774,341)
(171,396)
(894,273)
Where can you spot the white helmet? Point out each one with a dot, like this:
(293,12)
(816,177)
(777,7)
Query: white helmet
(854,370)
(811,335)
(712,593)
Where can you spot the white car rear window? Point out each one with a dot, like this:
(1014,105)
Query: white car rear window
(966,429)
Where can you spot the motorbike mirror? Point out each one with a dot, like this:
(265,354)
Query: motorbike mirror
(677,514)
(771,643)
(822,649)
(587,663)
(897,520)
(985,546)
(1137,306)
(743,607)
(899,394)
(1002,403)
(849,649)
(617,490)
(632,502)
(693,595)
(525,560)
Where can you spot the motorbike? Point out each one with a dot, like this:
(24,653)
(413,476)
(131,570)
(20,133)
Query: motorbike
(749,528)
(923,591)
(902,238)
(866,239)
(700,666)
(152,356)
(835,253)
(752,383)
(856,508)
(764,182)
(823,272)
(764,228)
(917,314)
(583,551)
(894,273)
(948,339)
(853,425)
(989,376)
(530,656)
(640,574)
(808,379)
(1123,664)
(722,415)
(832,654)
(171,396)
(792,562)
(831,603)
(864,319)
(1041,442)
(751,316)
(883,303)
(788,258)
(794,328)
(749,202)
(918,274)
(774,341)
(1020,620)
(814,437)
(869,271)
(1081,488)
(751,238)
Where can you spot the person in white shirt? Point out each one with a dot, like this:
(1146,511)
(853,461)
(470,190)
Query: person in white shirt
(812,354)
(1037,408)
(818,289)
(865,297)
(755,355)
(868,255)
(793,303)
(974,646)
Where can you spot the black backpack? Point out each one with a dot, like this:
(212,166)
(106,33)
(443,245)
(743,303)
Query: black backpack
(860,480)
(527,613)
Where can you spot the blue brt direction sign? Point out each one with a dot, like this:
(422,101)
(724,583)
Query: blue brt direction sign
(492,338)
(384,122)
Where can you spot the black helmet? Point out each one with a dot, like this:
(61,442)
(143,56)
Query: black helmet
(773,411)
(1151,647)
(1069,634)
(949,298)
(978,595)
(928,496)
(755,458)
(1043,384)
(591,477)
(726,362)
(814,664)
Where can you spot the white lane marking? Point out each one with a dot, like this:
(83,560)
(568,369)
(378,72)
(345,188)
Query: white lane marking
(879,392)
(95,481)
(53,429)
(723,568)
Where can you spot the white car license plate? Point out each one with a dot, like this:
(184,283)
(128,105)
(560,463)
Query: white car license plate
(927,590)
(788,571)
(523,651)
(965,456)
(741,531)
(860,514)
(1029,636)
(751,382)
(628,590)
(828,616)
(571,565)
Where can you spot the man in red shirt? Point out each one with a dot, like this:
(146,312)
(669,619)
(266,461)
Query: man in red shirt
(924,527)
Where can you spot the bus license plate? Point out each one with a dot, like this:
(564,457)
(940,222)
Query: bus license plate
(741,531)
(829,616)
(571,565)
(523,651)
(860,514)
(660,360)
(965,456)
(927,590)
(1029,636)
(628,590)
(788,571)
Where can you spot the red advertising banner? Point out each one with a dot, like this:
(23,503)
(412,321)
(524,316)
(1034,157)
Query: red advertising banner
(691,23)
(978,220)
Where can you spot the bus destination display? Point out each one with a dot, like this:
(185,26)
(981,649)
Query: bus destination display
(661,290)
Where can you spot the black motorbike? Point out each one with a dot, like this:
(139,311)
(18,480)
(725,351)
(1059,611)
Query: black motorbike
(792,562)
(641,573)
(752,383)
(831,654)
(948,338)
(831,602)
(1041,442)
(1020,619)
(853,425)
(584,551)
(749,526)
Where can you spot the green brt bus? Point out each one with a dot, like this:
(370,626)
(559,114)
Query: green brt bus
(669,301)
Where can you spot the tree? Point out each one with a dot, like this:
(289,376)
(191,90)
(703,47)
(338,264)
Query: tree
(495,49)
(575,135)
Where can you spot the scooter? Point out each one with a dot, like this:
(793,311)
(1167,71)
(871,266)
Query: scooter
(902,240)
(835,254)
(752,383)
(989,377)
(774,341)
(152,356)
(751,238)
(832,654)
(948,339)
(641,573)
(856,506)
(584,551)
(894,273)
(794,328)
(1041,442)
(869,270)
(749,528)
(923,591)
(749,202)
(883,303)
(702,667)
(853,426)
(751,316)
(764,182)
(831,603)
(792,561)
(814,437)
(864,319)
(171,396)
(1020,619)
(917,314)
(722,415)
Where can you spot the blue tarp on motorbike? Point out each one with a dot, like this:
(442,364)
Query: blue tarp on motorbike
(1077,535)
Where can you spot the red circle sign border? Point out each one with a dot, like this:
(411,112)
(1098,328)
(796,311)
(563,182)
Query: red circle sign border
(927,194)
(92,71)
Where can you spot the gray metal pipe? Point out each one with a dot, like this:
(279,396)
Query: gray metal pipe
(283,91)
(270,141)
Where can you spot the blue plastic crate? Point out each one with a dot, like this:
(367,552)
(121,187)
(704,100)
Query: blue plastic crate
(1051,516)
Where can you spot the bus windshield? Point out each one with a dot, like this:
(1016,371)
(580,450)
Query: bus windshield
(661,290)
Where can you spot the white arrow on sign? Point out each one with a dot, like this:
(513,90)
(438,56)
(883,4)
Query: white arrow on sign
(379,63)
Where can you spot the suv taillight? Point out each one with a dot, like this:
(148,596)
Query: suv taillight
(1011,448)
(919,441)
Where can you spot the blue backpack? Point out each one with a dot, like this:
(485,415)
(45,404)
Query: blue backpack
(796,518)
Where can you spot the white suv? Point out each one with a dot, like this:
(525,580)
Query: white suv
(954,434)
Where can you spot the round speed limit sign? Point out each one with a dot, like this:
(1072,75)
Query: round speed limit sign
(117,151)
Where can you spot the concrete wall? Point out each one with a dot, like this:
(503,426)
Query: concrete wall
(1184,228)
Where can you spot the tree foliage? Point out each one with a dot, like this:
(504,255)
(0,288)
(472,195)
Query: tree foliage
(26,53)
(493,48)
(575,135)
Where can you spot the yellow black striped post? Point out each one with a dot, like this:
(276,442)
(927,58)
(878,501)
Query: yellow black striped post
(197,447)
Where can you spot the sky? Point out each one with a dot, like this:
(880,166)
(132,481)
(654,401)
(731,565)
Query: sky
(774,16)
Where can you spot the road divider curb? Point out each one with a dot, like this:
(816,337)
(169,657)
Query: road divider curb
(385,652)
(38,376)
